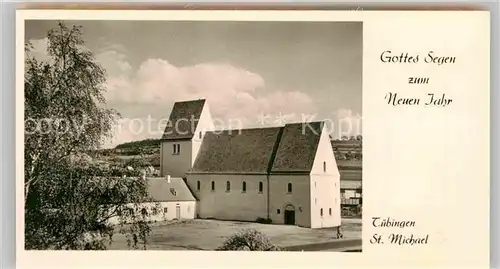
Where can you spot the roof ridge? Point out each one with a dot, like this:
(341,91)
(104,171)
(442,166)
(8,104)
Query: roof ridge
(192,100)
(307,122)
(242,129)
(269,127)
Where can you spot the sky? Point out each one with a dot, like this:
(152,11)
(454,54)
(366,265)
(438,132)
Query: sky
(252,73)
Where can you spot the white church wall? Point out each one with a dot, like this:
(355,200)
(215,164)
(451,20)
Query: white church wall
(325,186)
(205,124)
(173,163)
(230,205)
(299,198)
(325,197)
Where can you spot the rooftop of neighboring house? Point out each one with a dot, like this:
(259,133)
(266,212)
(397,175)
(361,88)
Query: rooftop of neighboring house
(162,189)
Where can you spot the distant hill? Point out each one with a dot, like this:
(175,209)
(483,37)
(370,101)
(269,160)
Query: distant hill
(146,143)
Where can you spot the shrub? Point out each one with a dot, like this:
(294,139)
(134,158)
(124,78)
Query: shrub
(249,239)
(264,220)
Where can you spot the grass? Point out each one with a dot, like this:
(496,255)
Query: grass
(201,234)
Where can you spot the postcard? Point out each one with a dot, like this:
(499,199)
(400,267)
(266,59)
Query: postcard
(252,138)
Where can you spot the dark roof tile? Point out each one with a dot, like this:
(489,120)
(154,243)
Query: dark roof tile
(237,151)
(183,120)
(297,148)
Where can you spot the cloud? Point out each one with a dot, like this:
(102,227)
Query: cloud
(236,96)
(233,93)
(113,58)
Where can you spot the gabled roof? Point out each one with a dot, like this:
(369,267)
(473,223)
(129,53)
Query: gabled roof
(183,120)
(160,190)
(237,151)
(297,147)
(291,148)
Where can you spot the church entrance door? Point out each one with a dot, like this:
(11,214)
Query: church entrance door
(289,215)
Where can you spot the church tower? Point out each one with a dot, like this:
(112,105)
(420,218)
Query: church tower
(183,135)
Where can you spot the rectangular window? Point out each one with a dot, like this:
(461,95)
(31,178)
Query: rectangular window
(165,210)
(278,211)
(177,149)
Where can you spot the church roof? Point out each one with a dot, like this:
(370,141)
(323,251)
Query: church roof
(237,151)
(291,148)
(183,120)
(297,148)
(160,190)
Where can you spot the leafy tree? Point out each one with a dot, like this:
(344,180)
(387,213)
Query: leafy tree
(251,240)
(69,198)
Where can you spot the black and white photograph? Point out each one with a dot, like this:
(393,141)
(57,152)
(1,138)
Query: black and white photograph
(193,135)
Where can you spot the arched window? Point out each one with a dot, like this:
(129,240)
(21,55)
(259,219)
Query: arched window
(261,187)
(244,186)
(330,211)
(228,186)
(289,187)
(321,212)
(198,185)
(324,167)
(200,135)
(213,185)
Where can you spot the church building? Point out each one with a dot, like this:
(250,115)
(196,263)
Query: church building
(287,174)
